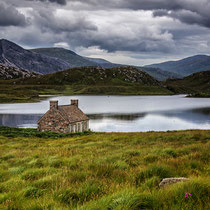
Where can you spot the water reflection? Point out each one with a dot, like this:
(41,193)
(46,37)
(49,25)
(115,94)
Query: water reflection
(19,120)
(117,117)
(133,122)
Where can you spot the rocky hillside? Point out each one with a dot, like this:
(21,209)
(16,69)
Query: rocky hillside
(14,55)
(74,59)
(186,66)
(68,56)
(197,84)
(96,75)
(9,72)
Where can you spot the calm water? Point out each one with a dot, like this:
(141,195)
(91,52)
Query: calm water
(121,113)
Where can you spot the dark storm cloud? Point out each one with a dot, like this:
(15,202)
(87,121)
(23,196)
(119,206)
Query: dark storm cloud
(9,16)
(61,2)
(185,16)
(187,11)
(47,21)
(137,27)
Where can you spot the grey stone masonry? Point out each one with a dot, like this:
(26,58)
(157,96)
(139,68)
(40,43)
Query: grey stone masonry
(168,181)
(64,119)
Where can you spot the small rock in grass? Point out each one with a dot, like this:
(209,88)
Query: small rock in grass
(168,181)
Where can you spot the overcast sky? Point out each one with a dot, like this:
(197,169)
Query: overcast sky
(136,32)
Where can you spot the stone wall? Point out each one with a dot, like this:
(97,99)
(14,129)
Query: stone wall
(53,121)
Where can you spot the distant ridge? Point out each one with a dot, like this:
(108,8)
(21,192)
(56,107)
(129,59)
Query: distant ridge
(50,60)
(13,55)
(74,59)
(68,56)
(185,66)
(160,74)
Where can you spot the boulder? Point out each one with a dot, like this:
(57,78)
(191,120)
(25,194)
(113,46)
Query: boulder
(168,181)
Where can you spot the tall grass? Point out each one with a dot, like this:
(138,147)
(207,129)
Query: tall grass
(103,171)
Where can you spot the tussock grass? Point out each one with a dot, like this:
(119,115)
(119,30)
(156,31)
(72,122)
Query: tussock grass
(103,171)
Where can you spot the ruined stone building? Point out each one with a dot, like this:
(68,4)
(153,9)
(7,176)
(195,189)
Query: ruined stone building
(65,119)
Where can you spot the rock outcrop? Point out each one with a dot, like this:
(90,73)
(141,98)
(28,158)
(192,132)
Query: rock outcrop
(169,181)
(10,72)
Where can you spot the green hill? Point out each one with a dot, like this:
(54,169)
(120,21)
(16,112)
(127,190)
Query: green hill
(97,80)
(197,84)
(88,80)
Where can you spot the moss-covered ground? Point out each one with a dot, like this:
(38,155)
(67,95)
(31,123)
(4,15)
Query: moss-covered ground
(103,170)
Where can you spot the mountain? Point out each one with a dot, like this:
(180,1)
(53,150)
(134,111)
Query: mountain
(103,63)
(10,72)
(68,56)
(186,66)
(74,59)
(197,84)
(160,74)
(14,55)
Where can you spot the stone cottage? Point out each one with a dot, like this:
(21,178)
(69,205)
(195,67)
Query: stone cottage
(64,119)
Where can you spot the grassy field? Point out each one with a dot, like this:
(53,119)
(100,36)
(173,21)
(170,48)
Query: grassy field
(103,171)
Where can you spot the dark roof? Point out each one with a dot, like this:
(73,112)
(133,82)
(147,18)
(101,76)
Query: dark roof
(72,113)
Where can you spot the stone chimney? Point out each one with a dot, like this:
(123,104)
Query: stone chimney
(75,102)
(53,104)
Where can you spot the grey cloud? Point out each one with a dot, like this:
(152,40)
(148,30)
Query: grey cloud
(9,16)
(187,11)
(116,25)
(185,16)
(111,42)
(46,21)
(61,2)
